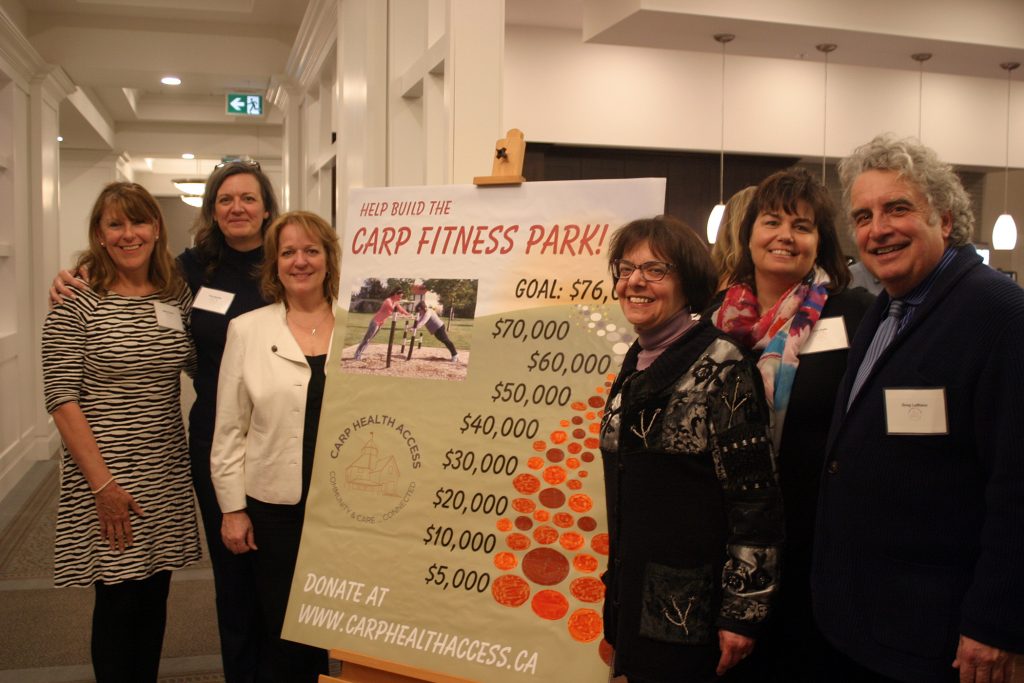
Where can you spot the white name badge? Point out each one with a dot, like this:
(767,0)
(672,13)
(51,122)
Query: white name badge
(916,411)
(213,300)
(828,334)
(168,316)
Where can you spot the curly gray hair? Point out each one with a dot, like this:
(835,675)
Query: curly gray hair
(922,167)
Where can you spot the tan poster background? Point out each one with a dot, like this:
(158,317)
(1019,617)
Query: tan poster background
(457,524)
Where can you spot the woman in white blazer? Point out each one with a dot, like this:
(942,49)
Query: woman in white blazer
(268,410)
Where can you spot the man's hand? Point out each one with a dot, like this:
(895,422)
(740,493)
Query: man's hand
(980,663)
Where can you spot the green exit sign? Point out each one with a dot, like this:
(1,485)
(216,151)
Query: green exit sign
(244,104)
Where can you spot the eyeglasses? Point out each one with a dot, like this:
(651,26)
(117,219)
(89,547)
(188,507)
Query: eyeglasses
(652,271)
(249,163)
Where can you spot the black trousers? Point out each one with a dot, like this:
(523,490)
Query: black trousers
(442,337)
(238,615)
(128,621)
(277,530)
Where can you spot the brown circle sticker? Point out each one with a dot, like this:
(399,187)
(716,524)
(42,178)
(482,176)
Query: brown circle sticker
(552,498)
(545,566)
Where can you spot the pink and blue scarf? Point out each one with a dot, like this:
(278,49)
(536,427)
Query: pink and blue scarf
(779,334)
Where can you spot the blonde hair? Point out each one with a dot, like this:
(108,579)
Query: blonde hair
(727,251)
(316,227)
(138,206)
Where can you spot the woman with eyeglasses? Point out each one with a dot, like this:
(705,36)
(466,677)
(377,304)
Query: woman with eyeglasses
(694,510)
(222,270)
(789,304)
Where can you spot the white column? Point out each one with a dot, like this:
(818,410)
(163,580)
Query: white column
(45,94)
(362,106)
(473,84)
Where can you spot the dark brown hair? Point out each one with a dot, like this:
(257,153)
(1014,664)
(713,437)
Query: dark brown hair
(315,227)
(676,242)
(782,191)
(209,239)
(138,206)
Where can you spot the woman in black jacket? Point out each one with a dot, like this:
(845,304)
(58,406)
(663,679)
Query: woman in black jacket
(789,304)
(694,510)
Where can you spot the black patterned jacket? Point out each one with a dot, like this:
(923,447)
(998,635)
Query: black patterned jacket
(694,508)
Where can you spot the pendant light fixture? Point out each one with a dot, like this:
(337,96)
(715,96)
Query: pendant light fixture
(1004,233)
(715,219)
(825,48)
(920,58)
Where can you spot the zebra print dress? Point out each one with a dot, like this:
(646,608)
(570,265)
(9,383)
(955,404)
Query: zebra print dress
(110,354)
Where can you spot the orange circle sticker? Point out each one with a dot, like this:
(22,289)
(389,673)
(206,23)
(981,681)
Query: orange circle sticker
(585,563)
(510,590)
(580,502)
(548,604)
(517,541)
(527,483)
(505,561)
(587,589)
(585,625)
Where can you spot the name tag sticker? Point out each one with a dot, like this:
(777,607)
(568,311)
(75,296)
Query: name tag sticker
(916,411)
(213,300)
(828,334)
(168,316)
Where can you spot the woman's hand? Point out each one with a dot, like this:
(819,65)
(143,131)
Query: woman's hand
(236,532)
(65,284)
(734,647)
(114,506)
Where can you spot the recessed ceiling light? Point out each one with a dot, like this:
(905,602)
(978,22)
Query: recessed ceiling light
(60,138)
(188,155)
(170,80)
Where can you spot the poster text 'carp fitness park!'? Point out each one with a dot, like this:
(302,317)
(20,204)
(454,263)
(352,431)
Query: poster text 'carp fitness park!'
(456,520)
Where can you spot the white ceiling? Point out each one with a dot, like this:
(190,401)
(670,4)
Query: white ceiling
(116,51)
(965,37)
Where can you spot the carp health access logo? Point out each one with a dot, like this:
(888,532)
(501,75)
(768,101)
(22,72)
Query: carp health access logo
(374,459)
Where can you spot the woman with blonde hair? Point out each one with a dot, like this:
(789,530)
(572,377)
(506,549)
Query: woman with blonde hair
(727,251)
(268,411)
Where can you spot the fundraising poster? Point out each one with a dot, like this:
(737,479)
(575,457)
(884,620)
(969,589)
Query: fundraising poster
(456,519)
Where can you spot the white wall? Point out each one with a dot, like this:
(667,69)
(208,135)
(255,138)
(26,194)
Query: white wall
(83,173)
(558,89)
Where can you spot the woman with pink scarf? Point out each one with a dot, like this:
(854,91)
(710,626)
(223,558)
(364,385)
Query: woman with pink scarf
(789,304)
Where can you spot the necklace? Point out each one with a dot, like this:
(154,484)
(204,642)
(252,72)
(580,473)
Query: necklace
(318,322)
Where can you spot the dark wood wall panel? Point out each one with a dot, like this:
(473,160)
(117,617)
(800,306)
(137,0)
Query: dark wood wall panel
(691,178)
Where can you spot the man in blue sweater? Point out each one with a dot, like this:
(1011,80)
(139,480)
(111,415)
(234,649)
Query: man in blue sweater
(919,549)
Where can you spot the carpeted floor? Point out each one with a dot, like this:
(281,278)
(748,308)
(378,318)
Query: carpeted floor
(46,630)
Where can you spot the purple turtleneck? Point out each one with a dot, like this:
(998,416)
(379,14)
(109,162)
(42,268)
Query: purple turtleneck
(654,342)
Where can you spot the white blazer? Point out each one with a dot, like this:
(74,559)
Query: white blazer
(261,412)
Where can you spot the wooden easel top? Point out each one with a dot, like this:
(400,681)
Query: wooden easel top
(507,167)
